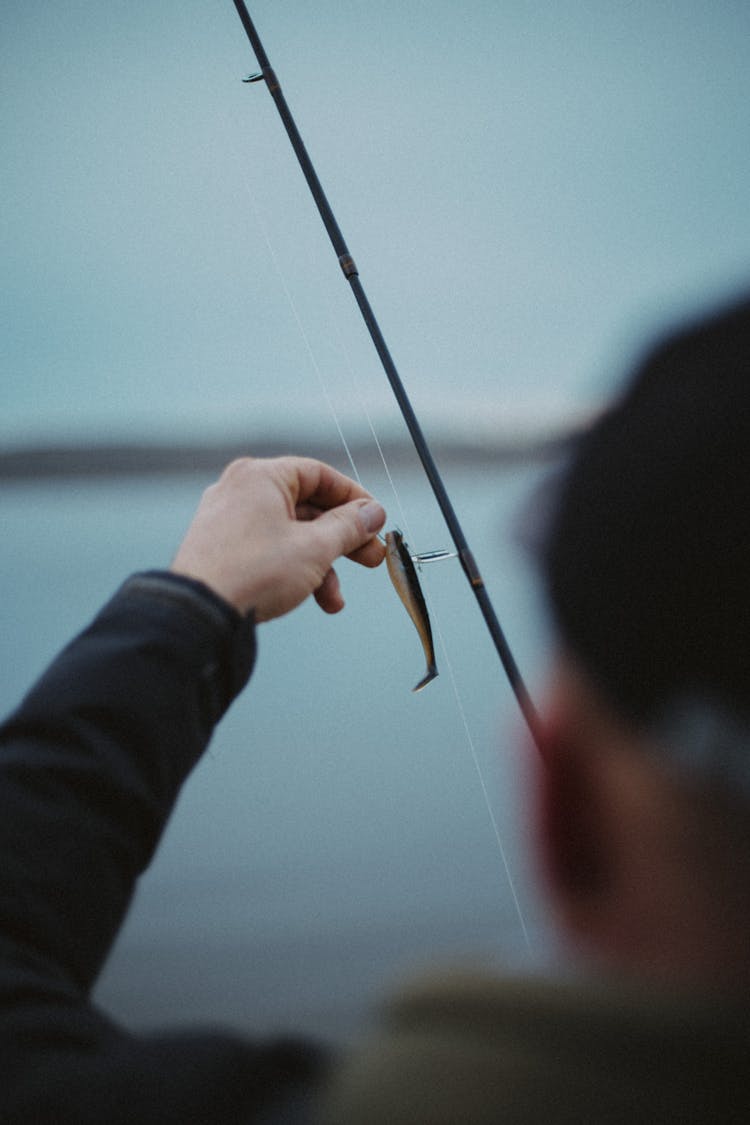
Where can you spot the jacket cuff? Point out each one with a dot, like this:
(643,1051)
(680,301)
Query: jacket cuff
(210,616)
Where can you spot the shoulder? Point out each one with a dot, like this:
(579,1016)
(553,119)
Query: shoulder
(479,1048)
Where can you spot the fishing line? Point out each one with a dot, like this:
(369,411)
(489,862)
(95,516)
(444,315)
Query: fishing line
(483,784)
(353,378)
(356,381)
(308,346)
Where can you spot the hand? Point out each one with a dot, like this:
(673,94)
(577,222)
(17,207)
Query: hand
(265,536)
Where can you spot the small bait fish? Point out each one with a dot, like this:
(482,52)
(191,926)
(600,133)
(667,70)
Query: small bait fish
(403,575)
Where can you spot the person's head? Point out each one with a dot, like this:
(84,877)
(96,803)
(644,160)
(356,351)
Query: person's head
(645,797)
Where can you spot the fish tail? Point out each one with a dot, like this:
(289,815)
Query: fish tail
(431,674)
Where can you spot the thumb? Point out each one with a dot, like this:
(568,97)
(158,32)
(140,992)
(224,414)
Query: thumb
(350,526)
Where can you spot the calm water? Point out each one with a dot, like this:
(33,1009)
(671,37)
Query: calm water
(336,835)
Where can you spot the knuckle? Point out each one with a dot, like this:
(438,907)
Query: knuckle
(237,468)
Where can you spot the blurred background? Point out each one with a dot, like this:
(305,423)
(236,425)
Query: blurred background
(530,191)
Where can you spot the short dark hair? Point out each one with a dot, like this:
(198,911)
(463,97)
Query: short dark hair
(646,556)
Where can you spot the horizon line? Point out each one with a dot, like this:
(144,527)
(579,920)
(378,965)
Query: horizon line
(59,459)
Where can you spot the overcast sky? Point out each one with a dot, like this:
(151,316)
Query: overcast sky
(528,189)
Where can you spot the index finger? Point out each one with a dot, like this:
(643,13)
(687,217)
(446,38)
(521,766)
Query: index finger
(319,484)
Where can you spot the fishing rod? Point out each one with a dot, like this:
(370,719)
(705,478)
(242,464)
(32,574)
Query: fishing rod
(351,273)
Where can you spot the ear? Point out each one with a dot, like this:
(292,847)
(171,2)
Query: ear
(571,820)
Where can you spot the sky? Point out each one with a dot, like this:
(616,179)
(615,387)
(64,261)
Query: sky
(530,191)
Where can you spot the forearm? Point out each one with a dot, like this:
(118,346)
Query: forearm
(91,764)
(92,761)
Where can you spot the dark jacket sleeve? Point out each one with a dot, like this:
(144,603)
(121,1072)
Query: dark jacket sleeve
(91,764)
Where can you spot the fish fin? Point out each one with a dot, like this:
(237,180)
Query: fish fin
(431,674)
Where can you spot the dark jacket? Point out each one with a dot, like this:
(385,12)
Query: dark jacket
(91,764)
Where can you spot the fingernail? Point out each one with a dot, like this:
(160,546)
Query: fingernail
(372,515)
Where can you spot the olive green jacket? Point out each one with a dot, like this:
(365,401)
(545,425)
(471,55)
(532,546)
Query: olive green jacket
(470,1049)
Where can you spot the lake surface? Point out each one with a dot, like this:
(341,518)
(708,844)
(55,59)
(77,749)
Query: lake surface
(336,836)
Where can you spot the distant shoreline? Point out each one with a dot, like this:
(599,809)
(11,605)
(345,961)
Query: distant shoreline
(40,461)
